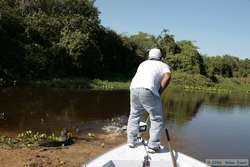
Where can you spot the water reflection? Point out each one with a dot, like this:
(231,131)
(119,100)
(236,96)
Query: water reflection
(201,125)
(181,107)
(53,109)
(209,125)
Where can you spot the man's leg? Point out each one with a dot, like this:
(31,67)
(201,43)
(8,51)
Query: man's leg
(153,106)
(136,110)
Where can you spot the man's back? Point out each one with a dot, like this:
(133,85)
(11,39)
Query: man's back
(149,75)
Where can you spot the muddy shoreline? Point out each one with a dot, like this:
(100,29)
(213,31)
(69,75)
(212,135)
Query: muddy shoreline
(66,156)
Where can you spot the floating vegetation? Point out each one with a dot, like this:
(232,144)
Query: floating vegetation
(26,139)
(7,83)
(206,89)
(92,135)
(2,115)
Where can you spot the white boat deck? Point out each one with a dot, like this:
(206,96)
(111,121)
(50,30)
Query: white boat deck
(123,156)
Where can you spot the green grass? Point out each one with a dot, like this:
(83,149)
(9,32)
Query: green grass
(181,80)
(109,85)
(83,83)
(201,83)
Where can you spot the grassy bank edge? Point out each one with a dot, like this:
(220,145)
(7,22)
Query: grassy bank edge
(188,82)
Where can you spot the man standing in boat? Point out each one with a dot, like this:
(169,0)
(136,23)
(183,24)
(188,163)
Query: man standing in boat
(150,80)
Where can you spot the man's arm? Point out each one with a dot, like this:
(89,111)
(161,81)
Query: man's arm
(165,82)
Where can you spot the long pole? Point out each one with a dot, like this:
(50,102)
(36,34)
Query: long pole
(170,149)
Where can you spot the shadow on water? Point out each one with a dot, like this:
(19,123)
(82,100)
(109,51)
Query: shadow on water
(52,109)
(179,107)
(49,110)
(196,120)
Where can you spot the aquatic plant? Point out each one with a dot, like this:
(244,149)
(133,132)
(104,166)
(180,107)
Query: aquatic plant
(26,139)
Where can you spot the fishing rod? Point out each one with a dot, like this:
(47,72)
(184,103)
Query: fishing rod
(170,149)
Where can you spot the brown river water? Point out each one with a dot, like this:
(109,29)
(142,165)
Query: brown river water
(202,125)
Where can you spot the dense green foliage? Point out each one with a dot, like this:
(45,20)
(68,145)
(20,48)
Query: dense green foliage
(47,39)
(183,56)
(227,66)
(60,38)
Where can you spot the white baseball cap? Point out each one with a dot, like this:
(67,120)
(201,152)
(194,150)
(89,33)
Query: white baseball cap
(154,53)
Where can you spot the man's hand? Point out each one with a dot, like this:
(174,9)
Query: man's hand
(164,82)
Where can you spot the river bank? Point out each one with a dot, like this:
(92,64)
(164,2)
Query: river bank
(74,155)
(189,82)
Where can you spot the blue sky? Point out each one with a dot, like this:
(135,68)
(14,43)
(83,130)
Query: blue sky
(217,26)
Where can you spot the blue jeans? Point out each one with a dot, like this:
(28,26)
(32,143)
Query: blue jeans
(142,100)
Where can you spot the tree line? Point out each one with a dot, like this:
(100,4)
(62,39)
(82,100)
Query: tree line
(184,56)
(44,39)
